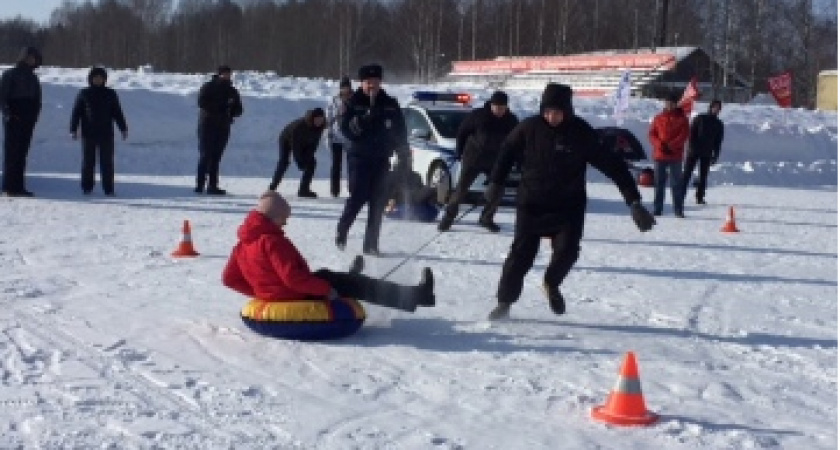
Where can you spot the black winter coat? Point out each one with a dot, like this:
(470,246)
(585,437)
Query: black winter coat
(480,137)
(97,108)
(302,137)
(706,136)
(219,103)
(552,189)
(20,94)
(375,131)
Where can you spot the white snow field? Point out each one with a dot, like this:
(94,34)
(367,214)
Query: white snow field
(108,342)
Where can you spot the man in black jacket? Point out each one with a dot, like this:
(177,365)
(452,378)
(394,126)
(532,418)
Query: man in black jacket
(375,126)
(97,108)
(20,104)
(219,104)
(553,149)
(705,138)
(300,139)
(477,145)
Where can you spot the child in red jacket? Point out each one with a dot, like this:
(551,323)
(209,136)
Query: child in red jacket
(266,265)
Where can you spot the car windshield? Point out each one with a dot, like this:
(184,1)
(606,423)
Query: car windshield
(446,122)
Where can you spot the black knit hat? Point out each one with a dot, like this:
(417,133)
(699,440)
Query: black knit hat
(370,71)
(499,98)
(223,69)
(345,82)
(97,72)
(673,97)
(316,112)
(557,96)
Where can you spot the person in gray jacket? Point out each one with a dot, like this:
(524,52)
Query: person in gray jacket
(336,140)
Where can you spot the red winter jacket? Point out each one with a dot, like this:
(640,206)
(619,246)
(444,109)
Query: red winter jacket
(671,128)
(266,265)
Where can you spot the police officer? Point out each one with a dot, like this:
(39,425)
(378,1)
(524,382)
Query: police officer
(477,144)
(554,149)
(219,104)
(20,104)
(375,127)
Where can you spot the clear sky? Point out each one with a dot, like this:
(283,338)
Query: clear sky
(37,10)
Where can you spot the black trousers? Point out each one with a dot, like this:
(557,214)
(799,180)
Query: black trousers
(367,187)
(104,147)
(565,245)
(335,170)
(690,162)
(374,291)
(17,136)
(468,175)
(212,140)
(305,163)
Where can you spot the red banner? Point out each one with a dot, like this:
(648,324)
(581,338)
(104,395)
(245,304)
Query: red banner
(781,88)
(572,62)
(690,94)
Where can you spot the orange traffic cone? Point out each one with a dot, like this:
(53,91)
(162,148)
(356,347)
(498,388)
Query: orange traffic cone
(626,404)
(729,226)
(185,248)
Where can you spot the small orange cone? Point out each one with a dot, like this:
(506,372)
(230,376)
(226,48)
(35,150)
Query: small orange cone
(626,404)
(185,248)
(729,226)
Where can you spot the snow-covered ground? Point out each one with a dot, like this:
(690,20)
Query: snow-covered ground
(107,342)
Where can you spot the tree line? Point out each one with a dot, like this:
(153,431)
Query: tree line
(416,40)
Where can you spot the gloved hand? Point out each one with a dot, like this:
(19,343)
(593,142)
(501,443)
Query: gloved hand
(714,160)
(493,192)
(333,296)
(666,150)
(643,218)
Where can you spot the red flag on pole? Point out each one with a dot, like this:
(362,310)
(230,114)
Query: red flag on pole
(780,87)
(690,94)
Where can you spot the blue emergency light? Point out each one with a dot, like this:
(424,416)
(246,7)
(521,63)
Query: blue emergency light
(430,96)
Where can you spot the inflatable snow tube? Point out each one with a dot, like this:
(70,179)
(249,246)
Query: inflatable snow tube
(416,213)
(308,320)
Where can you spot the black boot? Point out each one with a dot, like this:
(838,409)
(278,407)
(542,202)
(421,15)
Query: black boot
(357,265)
(501,311)
(341,241)
(555,298)
(489,225)
(213,190)
(446,222)
(427,288)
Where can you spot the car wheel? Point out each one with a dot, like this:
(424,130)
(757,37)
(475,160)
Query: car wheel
(440,179)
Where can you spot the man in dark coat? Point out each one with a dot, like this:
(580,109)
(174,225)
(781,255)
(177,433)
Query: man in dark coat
(219,104)
(704,140)
(375,126)
(477,145)
(97,108)
(553,149)
(20,104)
(300,139)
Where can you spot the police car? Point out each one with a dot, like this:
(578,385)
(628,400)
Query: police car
(432,120)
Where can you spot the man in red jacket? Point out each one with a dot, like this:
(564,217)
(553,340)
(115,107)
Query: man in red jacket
(668,134)
(266,265)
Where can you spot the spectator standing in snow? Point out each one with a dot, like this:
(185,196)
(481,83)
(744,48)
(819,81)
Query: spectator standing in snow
(20,104)
(705,139)
(553,149)
(335,137)
(667,135)
(300,139)
(375,126)
(219,104)
(97,109)
(477,145)
(266,265)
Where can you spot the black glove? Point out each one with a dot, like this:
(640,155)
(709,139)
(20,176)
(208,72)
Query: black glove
(493,192)
(666,150)
(714,159)
(643,218)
